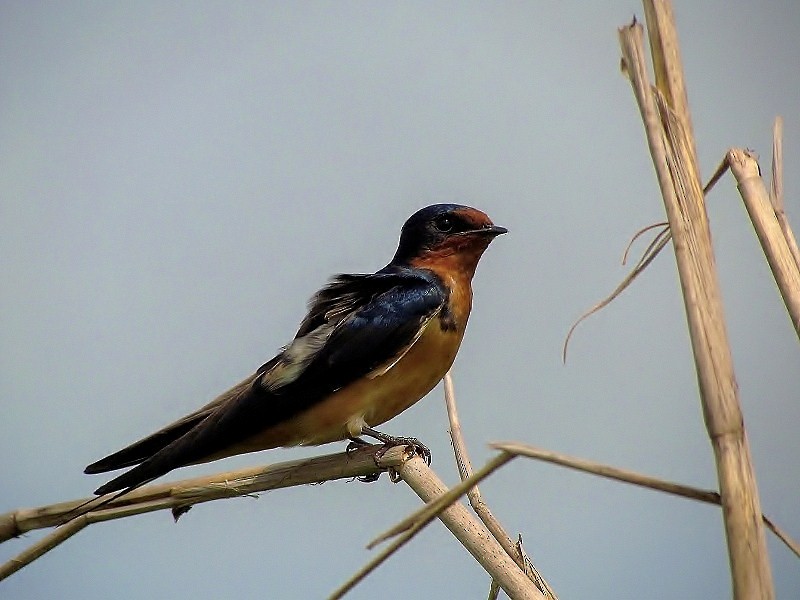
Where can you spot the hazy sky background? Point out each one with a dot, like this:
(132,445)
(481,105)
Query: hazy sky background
(177,179)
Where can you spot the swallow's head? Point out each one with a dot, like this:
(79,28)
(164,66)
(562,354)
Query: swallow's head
(452,235)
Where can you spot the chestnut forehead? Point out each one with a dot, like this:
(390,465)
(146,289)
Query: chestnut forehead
(473,216)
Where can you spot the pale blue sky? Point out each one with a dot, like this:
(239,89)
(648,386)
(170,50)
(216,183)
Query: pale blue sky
(176,180)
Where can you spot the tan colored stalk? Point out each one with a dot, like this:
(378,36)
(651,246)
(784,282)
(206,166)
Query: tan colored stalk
(672,148)
(442,503)
(181,494)
(770,233)
(472,535)
(476,500)
(776,189)
(625,476)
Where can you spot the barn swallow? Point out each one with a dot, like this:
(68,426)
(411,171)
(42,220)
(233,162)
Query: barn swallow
(370,346)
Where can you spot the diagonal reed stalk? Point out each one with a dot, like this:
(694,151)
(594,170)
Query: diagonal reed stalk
(514,550)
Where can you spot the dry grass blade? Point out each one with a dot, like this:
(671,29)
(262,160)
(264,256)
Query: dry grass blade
(625,476)
(782,535)
(776,187)
(373,564)
(653,248)
(666,55)
(609,472)
(657,245)
(639,234)
(44,545)
(494,590)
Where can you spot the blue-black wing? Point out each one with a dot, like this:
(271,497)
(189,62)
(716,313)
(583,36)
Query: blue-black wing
(354,325)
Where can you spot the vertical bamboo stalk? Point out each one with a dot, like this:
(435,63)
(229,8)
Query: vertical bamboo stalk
(668,130)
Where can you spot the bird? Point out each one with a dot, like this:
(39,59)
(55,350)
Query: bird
(369,347)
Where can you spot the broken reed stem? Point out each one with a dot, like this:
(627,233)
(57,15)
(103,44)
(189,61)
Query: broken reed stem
(625,476)
(474,494)
(187,492)
(668,70)
(667,127)
(768,229)
(776,189)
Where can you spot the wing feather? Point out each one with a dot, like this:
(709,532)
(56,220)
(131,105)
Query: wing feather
(357,326)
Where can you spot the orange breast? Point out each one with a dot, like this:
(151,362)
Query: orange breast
(374,401)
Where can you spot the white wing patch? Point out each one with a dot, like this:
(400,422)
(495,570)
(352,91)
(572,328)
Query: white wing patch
(296,358)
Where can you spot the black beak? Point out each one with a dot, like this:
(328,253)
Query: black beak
(492,231)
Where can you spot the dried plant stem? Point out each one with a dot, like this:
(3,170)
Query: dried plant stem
(668,69)
(442,503)
(430,511)
(476,500)
(44,545)
(617,474)
(776,189)
(770,233)
(668,130)
(472,535)
(373,564)
(184,493)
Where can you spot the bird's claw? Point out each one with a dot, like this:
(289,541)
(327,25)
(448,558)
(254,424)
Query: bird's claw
(416,446)
(390,441)
(371,478)
(355,444)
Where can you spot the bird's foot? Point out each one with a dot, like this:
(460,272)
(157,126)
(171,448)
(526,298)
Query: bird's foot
(390,441)
(355,444)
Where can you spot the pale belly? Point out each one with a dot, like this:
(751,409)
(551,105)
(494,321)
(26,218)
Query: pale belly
(370,401)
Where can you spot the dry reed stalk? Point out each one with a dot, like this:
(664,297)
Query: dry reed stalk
(442,503)
(181,494)
(776,189)
(745,169)
(430,511)
(625,476)
(668,130)
(476,500)
(472,535)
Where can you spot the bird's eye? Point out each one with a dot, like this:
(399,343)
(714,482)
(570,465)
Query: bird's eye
(444,224)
